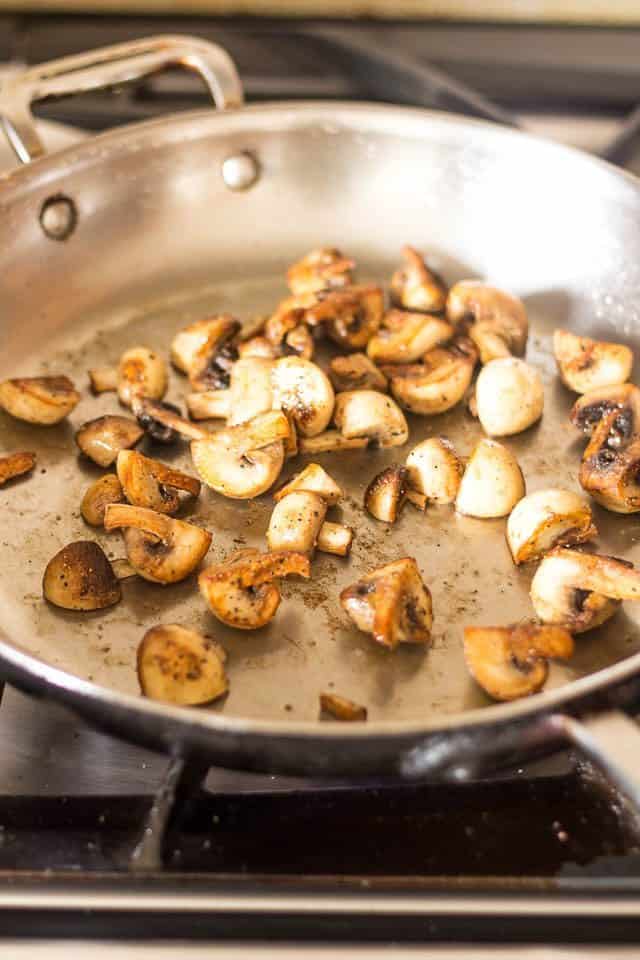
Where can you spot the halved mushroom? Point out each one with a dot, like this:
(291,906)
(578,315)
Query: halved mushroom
(251,390)
(102,439)
(149,483)
(98,496)
(322,269)
(335,538)
(495,320)
(392,604)
(589,409)
(331,441)
(164,416)
(350,316)
(509,396)
(80,577)
(367,413)
(405,337)
(313,479)
(210,405)
(244,461)
(159,548)
(289,314)
(610,468)
(581,591)
(511,662)
(41,400)
(492,483)
(439,382)
(303,390)
(258,347)
(416,287)
(16,465)
(204,350)
(585,364)
(356,372)
(547,519)
(299,342)
(342,708)
(155,428)
(103,379)
(141,373)
(435,470)
(386,494)
(181,666)
(296,521)
(241,591)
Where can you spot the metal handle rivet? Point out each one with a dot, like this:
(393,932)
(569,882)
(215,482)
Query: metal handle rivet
(240,171)
(58,217)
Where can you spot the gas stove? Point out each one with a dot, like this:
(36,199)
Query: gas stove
(102,849)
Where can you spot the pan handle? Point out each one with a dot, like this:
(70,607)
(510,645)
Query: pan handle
(108,67)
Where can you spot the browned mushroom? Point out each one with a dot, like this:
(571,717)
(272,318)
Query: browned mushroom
(205,351)
(296,521)
(289,314)
(16,465)
(304,392)
(209,405)
(241,591)
(331,441)
(439,382)
(341,708)
(80,577)
(351,316)
(611,466)
(141,373)
(103,379)
(367,413)
(299,342)
(164,416)
(392,603)
(259,347)
(547,519)
(495,320)
(356,372)
(585,364)
(415,286)
(313,479)
(405,337)
(335,538)
(386,494)
(155,428)
(322,269)
(41,400)
(590,408)
(511,662)
(181,666)
(102,439)
(434,470)
(149,483)
(98,496)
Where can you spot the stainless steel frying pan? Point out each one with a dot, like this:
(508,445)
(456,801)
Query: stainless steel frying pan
(127,236)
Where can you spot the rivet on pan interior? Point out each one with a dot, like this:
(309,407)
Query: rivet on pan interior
(58,217)
(240,171)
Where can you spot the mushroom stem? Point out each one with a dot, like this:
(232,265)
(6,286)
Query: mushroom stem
(210,405)
(335,538)
(159,412)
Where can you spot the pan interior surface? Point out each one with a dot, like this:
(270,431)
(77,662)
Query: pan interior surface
(80,317)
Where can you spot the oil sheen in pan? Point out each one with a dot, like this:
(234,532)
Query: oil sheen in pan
(278,672)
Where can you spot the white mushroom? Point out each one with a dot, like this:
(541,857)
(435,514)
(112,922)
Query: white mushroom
(209,405)
(159,548)
(241,591)
(492,483)
(356,372)
(141,373)
(610,468)
(244,461)
(547,519)
(296,521)
(495,320)
(303,390)
(251,391)
(150,483)
(511,662)
(103,438)
(580,591)
(386,494)
(258,347)
(367,413)
(439,382)
(103,379)
(205,351)
(181,666)
(435,470)
(392,604)
(80,577)
(313,479)
(16,465)
(322,269)
(341,708)
(42,400)
(98,496)
(335,538)
(405,337)
(350,316)
(416,287)
(509,396)
(331,441)
(589,410)
(585,364)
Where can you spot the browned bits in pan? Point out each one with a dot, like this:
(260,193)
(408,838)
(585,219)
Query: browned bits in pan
(41,400)
(414,286)
(495,320)
(341,708)
(79,577)
(585,364)
(103,438)
(98,496)
(181,666)
(16,465)
(392,604)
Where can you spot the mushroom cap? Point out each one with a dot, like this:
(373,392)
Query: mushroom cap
(474,303)
(405,337)
(510,662)
(416,287)
(103,438)
(547,519)
(296,521)
(335,538)
(592,407)
(42,400)
(439,382)
(355,371)
(322,269)
(98,496)
(392,604)
(150,483)
(609,472)
(304,391)
(141,373)
(434,469)
(367,413)
(79,577)
(16,465)
(195,346)
(180,666)
(313,479)
(350,316)
(492,483)
(386,493)
(585,364)
(250,391)
(509,396)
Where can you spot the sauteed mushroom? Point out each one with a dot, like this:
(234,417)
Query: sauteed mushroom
(439,382)
(205,351)
(585,364)
(141,373)
(335,538)
(303,390)
(103,379)
(386,494)
(103,438)
(350,316)
(244,461)
(159,548)
(158,431)
(495,320)
(181,666)
(296,521)
(149,483)
(415,287)
(251,391)
(392,604)
(547,519)
(610,466)
(492,484)
(434,470)
(405,337)
(165,416)
(356,372)
(331,441)
(98,496)
(258,347)
(289,314)
(511,662)
(341,708)
(300,342)
(79,577)
(509,396)
(590,408)
(580,591)
(41,400)
(367,413)
(16,465)
(241,591)
(322,269)
(209,405)
(313,479)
